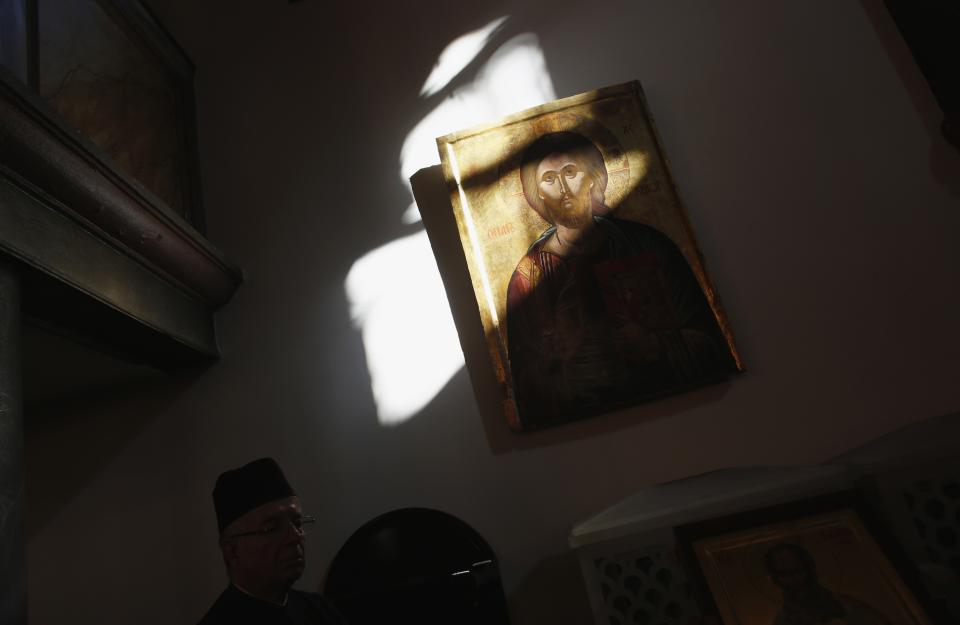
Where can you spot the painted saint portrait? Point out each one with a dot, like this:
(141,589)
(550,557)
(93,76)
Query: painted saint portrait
(601,311)
(591,288)
(815,570)
(805,600)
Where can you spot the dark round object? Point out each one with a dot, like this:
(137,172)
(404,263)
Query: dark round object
(644,564)
(621,604)
(947,537)
(653,597)
(673,610)
(952,489)
(955,564)
(613,571)
(664,576)
(921,527)
(934,508)
(417,565)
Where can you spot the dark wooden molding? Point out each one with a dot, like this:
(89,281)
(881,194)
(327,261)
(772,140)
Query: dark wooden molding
(44,151)
(76,279)
(101,257)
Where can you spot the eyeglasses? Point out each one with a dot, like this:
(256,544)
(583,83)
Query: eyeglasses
(274,530)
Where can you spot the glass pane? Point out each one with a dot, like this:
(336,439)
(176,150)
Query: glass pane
(118,95)
(13,37)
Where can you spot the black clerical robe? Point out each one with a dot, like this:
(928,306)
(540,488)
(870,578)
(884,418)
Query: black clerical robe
(235,607)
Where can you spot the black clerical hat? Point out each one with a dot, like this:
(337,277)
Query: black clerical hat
(240,490)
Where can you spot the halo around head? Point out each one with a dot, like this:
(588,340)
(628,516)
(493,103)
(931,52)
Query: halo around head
(617,165)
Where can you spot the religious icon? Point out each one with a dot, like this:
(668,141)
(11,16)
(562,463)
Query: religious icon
(820,569)
(591,288)
(111,72)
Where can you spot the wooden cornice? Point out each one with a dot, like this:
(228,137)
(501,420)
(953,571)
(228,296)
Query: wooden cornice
(67,212)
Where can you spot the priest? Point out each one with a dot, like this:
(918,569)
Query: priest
(262,539)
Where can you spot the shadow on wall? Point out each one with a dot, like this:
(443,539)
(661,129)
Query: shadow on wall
(72,439)
(944,159)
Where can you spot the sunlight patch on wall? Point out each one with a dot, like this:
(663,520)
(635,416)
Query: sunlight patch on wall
(514,78)
(411,344)
(397,299)
(457,55)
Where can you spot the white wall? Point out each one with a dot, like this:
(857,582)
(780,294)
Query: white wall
(802,143)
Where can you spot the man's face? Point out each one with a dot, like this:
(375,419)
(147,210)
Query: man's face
(565,190)
(790,573)
(272,560)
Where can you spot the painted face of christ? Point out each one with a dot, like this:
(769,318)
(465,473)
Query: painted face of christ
(566,190)
(564,178)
